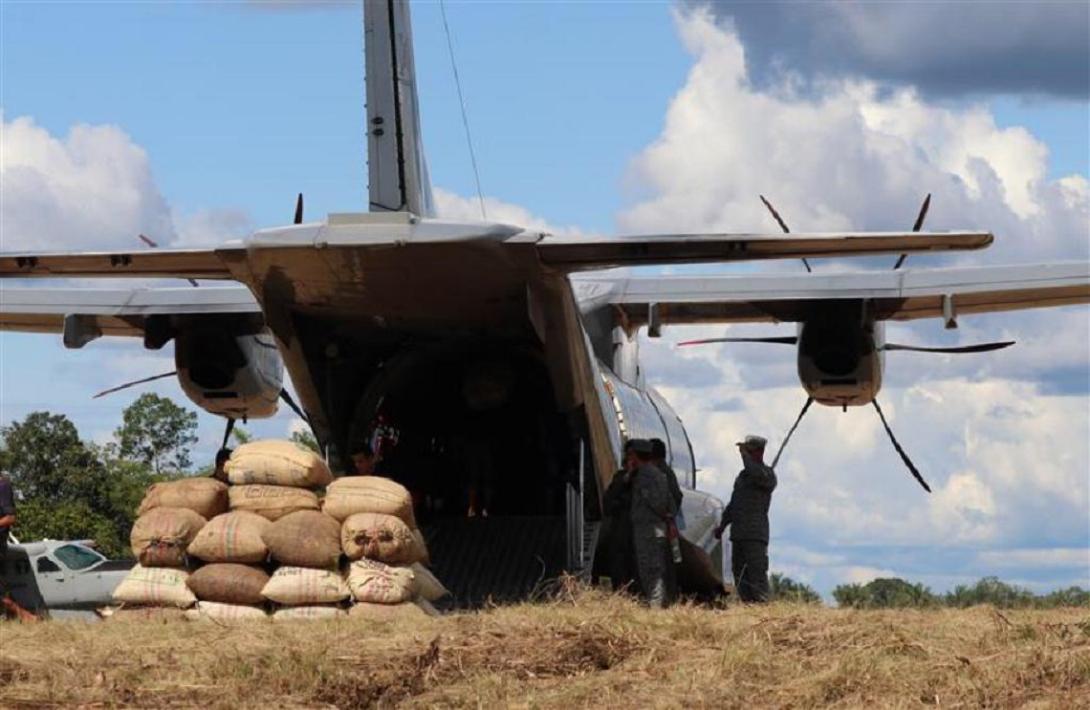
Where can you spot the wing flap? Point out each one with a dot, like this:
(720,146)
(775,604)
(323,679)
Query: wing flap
(115,311)
(897,295)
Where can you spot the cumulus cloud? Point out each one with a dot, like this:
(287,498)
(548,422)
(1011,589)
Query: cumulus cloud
(850,156)
(945,48)
(449,205)
(90,189)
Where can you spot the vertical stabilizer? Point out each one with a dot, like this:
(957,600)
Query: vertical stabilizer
(397,171)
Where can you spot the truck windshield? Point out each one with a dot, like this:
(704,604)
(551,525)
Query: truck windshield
(76,557)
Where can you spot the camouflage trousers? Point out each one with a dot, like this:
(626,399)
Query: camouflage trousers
(749,563)
(654,566)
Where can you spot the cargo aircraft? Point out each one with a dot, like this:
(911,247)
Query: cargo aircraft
(495,356)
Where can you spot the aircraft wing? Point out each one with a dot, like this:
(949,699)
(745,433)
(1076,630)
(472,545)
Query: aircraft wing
(586,254)
(115,311)
(167,263)
(567,254)
(896,295)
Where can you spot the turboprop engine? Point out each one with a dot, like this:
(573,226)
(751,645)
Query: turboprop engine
(234,376)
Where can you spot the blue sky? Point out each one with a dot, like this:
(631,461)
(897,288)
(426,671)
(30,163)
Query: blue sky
(573,108)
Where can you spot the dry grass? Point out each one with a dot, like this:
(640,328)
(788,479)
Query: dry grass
(589,649)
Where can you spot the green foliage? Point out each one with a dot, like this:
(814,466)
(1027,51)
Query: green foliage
(69,489)
(885,593)
(306,440)
(990,590)
(157,432)
(897,593)
(785,589)
(241,436)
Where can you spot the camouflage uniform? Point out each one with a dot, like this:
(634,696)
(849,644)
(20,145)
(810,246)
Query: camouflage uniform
(617,502)
(747,515)
(676,496)
(652,507)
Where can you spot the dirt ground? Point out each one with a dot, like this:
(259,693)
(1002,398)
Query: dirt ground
(585,649)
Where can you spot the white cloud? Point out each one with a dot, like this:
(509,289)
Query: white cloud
(93,188)
(850,156)
(455,207)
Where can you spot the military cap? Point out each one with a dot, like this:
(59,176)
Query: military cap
(752,441)
(640,446)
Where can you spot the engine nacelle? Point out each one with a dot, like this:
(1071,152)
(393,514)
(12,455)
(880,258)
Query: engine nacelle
(839,364)
(235,376)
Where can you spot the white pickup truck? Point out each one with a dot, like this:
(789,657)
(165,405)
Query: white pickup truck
(60,578)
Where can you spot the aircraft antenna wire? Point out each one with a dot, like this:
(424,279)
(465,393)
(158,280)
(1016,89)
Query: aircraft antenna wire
(462,103)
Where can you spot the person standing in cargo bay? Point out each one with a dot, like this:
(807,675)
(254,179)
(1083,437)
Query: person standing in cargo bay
(652,512)
(747,516)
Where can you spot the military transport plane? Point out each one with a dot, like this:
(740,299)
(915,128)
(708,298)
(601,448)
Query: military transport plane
(497,360)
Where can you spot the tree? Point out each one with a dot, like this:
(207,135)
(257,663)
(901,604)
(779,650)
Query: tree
(305,440)
(785,589)
(69,489)
(885,593)
(158,432)
(44,455)
(990,590)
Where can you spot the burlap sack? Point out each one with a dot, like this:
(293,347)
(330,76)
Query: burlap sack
(228,583)
(427,585)
(160,537)
(205,496)
(231,537)
(394,613)
(380,537)
(155,586)
(311,613)
(277,463)
(305,539)
(215,611)
(368,494)
(296,586)
(372,581)
(271,502)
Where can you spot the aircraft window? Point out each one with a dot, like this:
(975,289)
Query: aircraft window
(76,557)
(47,565)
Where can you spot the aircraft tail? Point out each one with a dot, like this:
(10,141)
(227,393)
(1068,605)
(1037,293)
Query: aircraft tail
(397,170)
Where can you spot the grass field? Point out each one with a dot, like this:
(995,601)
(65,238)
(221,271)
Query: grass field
(588,649)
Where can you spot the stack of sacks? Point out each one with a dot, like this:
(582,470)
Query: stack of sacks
(275,478)
(229,584)
(170,517)
(386,551)
(309,583)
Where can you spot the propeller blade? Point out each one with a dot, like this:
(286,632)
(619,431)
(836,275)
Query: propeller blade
(809,401)
(896,445)
(134,383)
(916,227)
(298,209)
(784,340)
(783,226)
(978,348)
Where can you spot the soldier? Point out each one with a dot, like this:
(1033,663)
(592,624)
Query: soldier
(653,512)
(747,516)
(7,511)
(617,502)
(658,457)
(363,460)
